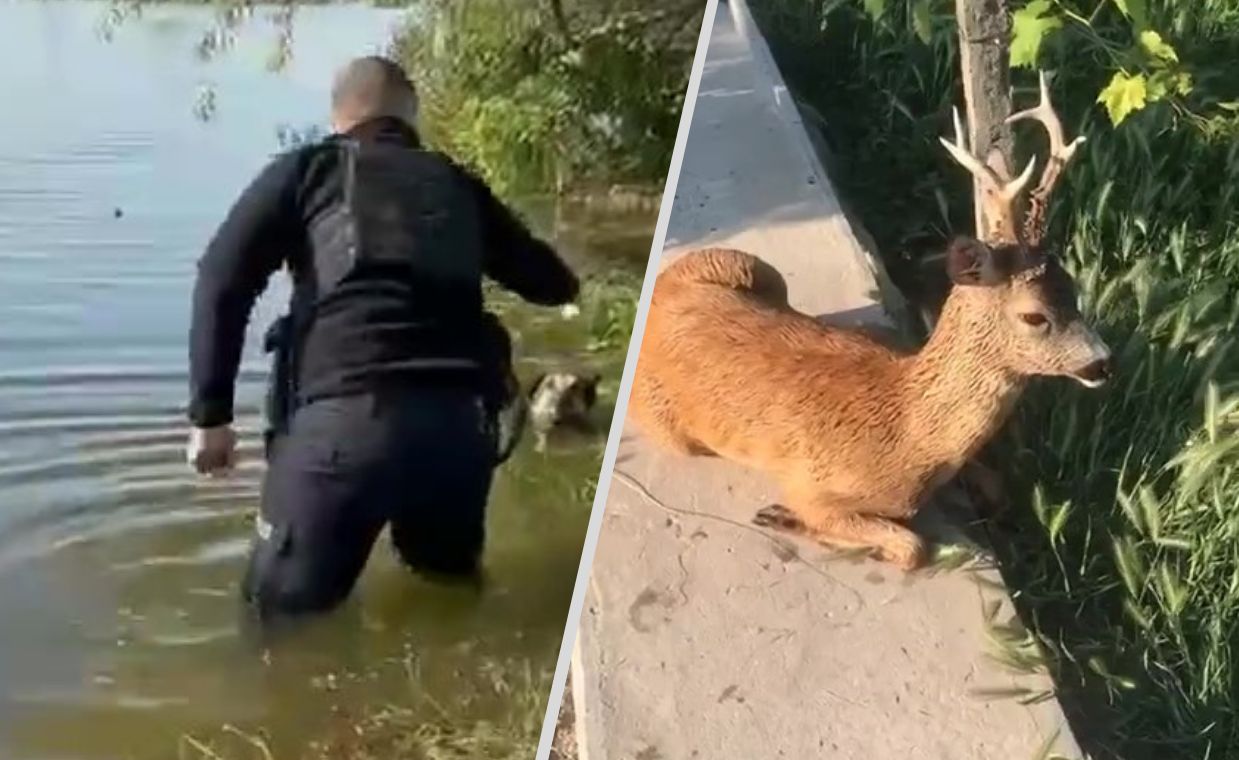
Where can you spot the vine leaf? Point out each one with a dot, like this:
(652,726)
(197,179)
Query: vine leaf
(1030,25)
(1134,10)
(1163,83)
(1124,95)
(875,8)
(1157,47)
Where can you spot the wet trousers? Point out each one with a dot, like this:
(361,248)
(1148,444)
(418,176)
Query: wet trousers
(419,459)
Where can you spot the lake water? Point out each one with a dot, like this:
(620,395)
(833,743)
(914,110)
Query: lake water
(119,633)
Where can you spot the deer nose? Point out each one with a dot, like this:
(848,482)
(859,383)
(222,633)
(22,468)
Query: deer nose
(1098,347)
(1096,373)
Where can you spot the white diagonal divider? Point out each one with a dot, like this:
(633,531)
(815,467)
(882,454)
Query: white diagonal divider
(621,399)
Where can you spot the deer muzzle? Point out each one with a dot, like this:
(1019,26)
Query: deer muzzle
(1090,365)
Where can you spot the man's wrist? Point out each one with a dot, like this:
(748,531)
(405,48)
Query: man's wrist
(207,414)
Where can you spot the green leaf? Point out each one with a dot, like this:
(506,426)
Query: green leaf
(1030,25)
(1173,590)
(1137,616)
(1169,542)
(1212,402)
(921,21)
(875,8)
(1157,47)
(1124,95)
(1099,667)
(1158,88)
(1130,568)
(1199,462)
(996,693)
(1134,10)
(1183,82)
(1150,508)
(1058,522)
(1129,509)
(1040,508)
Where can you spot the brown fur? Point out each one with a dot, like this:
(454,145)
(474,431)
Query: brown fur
(857,434)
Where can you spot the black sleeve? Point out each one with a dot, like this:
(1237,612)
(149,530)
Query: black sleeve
(516,259)
(245,251)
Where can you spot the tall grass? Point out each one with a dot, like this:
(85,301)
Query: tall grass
(1122,550)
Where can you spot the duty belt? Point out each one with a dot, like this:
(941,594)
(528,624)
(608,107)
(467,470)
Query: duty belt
(507,410)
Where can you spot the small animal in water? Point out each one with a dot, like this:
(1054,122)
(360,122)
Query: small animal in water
(560,399)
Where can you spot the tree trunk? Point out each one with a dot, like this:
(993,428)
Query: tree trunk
(984,53)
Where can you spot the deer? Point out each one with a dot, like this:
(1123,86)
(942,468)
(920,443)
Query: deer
(859,434)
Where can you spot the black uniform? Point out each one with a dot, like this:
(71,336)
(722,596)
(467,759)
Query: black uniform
(392,365)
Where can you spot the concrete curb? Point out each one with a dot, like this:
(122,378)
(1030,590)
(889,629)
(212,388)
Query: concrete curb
(580,688)
(802,135)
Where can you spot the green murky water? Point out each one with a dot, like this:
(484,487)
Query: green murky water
(119,633)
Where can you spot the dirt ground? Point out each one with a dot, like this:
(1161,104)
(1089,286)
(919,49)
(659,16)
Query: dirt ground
(564,746)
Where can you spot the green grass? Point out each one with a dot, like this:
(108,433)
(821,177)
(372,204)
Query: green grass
(610,309)
(419,728)
(1122,549)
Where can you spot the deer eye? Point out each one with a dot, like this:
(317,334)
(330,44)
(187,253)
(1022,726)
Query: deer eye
(1034,319)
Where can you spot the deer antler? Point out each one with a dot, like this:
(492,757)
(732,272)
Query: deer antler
(998,193)
(1060,153)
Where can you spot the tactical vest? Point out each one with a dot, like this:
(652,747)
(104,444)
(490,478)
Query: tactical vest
(406,212)
(405,218)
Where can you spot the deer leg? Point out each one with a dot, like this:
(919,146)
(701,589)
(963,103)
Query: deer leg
(986,487)
(894,543)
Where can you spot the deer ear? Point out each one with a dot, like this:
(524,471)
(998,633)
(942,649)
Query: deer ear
(971,262)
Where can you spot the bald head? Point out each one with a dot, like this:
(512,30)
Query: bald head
(370,87)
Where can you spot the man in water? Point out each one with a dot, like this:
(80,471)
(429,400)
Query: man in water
(392,365)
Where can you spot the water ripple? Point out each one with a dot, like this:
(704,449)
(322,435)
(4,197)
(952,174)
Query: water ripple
(95,376)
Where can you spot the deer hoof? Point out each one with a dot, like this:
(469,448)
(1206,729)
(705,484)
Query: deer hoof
(906,555)
(778,517)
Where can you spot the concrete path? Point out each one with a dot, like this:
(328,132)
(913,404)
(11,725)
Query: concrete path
(703,637)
